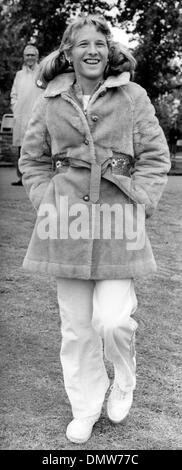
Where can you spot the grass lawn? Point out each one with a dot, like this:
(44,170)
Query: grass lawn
(35,409)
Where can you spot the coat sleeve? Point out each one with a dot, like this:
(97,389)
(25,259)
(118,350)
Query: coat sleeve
(35,162)
(152,158)
(14,93)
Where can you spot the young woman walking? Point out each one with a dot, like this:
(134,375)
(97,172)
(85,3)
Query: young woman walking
(94,162)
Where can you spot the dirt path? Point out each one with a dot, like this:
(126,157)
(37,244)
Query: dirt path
(34,406)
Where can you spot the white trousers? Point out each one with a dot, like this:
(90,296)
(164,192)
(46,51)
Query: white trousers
(96,314)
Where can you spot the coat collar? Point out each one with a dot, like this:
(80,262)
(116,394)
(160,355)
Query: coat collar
(63,82)
(27,69)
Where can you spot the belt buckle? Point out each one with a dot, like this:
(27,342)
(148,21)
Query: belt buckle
(60,163)
(121,165)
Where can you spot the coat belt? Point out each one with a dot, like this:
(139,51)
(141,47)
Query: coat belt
(120,166)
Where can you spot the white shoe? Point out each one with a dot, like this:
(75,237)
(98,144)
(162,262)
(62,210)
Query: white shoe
(80,429)
(119,403)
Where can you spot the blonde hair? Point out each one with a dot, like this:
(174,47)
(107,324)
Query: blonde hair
(120,58)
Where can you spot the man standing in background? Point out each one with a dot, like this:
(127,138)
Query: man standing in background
(24,92)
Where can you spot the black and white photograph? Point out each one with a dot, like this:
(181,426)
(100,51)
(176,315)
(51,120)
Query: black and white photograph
(91,231)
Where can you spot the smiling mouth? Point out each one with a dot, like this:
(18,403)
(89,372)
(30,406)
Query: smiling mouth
(92,61)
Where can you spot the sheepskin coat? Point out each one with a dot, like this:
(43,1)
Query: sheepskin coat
(93,177)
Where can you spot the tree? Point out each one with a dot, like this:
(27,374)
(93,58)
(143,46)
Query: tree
(158,26)
(10,59)
(38,21)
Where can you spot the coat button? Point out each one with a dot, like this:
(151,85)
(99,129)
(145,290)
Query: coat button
(86,142)
(95,118)
(86,198)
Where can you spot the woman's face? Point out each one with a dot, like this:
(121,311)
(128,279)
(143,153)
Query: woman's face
(89,53)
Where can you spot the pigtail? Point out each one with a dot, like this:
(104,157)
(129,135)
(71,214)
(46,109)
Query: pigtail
(120,60)
(51,66)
